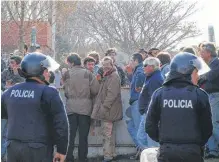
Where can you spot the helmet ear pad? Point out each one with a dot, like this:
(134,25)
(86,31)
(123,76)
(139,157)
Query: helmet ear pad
(25,75)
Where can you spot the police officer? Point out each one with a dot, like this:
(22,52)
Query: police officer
(179,115)
(36,116)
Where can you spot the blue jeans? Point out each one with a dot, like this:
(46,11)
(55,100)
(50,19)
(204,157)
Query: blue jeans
(3,137)
(133,122)
(213,142)
(144,140)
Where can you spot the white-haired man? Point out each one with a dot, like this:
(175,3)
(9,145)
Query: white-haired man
(153,81)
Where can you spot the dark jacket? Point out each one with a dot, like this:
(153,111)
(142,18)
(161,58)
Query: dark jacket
(165,69)
(35,114)
(137,81)
(8,74)
(210,81)
(152,82)
(179,113)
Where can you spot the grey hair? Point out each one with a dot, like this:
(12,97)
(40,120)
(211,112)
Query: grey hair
(153,61)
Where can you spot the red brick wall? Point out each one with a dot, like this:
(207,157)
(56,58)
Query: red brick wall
(10,34)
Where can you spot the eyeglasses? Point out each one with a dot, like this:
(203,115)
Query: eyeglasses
(145,65)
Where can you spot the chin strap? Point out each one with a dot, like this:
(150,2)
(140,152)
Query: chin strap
(39,80)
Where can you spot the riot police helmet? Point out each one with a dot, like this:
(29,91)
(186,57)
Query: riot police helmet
(184,63)
(34,64)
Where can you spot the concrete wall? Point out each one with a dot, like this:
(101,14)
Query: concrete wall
(124,144)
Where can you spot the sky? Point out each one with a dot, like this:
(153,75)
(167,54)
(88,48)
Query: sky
(207,15)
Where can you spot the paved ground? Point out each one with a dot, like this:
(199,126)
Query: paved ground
(125,159)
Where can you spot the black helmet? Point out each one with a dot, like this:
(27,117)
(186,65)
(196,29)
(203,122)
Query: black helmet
(184,63)
(34,64)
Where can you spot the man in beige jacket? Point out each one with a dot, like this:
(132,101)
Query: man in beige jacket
(108,107)
(80,86)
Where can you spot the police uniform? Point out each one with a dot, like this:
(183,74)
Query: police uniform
(36,120)
(179,115)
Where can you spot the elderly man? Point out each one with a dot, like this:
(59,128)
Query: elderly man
(210,83)
(111,52)
(154,80)
(80,85)
(108,107)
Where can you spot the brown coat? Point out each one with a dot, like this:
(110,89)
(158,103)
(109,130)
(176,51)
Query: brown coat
(108,104)
(80,86)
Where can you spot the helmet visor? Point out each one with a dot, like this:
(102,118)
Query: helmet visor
(50,64)
(200,65)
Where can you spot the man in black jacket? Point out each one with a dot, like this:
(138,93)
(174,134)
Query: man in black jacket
(179,115)
(36,116)
(210,83)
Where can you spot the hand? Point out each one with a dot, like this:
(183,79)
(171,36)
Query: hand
(128,69)
(15,70)
(59,157)
(138,89)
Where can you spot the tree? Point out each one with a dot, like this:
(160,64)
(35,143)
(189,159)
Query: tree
(133,24)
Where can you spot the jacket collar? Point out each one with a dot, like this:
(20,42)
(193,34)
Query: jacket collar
(138,66)
(109,72)
(152,74)
(212,60)
(36,80)
(174,77)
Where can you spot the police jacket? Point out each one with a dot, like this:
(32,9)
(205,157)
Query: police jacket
(179,113)
(35,114)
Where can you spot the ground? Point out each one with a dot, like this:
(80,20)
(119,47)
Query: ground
(125,159)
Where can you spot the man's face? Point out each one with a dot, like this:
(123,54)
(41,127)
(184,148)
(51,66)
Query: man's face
(153,53)
(13,64)
(107,65)
(113,56)
(133,63)
(64,71)
(46,74)
(90,66)
(144,55)
(195,77)
(148,69)
(206,56)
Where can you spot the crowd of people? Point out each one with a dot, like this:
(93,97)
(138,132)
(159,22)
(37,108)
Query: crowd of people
(92,88)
